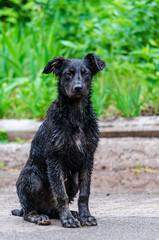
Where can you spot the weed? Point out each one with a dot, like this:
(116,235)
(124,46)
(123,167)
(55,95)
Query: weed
(1,165)
(3,136)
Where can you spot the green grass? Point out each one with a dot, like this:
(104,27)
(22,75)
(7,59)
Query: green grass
(123,33)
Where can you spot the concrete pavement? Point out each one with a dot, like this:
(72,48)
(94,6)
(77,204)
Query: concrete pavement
(120,217)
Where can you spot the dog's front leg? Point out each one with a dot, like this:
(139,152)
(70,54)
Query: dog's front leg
(59,194)
(85,216)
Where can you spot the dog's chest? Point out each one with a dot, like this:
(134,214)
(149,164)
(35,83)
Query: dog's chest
(72,144)
(77,140)
(76,150)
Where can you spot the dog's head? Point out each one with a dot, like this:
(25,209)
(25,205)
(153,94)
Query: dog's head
(75,75)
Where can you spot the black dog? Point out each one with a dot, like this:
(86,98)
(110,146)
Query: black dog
(62,151)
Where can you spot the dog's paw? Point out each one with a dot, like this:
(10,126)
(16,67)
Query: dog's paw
(88,221)
(75,214)
(42,220)
(70,222)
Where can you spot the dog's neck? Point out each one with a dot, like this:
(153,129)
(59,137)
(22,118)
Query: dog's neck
(75,110)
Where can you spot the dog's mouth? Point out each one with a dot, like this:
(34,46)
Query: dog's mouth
(76,94)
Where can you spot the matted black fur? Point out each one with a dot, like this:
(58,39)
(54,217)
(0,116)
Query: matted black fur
(62,151)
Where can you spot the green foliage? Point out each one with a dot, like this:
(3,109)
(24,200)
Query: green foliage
(128,101)
(123,33)
(3,136)
(1,165)
(20,140)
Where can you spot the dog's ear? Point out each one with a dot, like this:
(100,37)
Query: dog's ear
(54,66)
(96,63)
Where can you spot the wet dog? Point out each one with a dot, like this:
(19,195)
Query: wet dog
(61,157)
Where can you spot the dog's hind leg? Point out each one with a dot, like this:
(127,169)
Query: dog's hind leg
(30,190)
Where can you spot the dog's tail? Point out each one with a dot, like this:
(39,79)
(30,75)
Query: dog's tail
(17,212)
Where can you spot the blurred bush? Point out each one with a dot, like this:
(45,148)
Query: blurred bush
(123,33)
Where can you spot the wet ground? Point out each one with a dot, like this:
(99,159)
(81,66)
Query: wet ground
(120,217)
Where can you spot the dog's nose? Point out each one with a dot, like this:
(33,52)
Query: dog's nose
(78,87)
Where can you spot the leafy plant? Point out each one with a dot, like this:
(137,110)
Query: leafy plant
(3,136)
(128,100)
(123,33)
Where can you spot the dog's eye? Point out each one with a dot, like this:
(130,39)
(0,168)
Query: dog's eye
(83,71)
(71,72)
(68,73)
